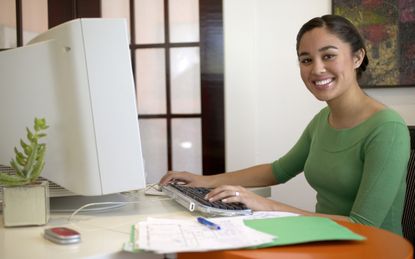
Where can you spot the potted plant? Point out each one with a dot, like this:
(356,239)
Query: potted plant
(25,199)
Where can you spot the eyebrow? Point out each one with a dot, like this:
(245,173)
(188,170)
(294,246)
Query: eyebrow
(320,50)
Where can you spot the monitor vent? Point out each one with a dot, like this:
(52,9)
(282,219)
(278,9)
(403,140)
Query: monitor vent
(55,190)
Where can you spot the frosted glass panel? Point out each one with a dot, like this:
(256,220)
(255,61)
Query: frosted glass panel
(116,9)
(35,18)
(8,13)
(187,145)
(185,80)
(154,143)
(149,21)
(184,20)
(8,24)
(151,81)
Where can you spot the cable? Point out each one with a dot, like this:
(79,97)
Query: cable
(108,203)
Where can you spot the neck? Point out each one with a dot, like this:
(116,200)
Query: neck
(350,109)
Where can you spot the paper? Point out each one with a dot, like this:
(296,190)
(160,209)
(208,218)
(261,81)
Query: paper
(262,229)
(301,229)
(267,214)
(172,236)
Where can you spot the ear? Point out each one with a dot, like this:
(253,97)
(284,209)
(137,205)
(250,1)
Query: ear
(358,57)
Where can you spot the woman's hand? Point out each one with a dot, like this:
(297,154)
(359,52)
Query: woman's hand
(186,178)
(230,193)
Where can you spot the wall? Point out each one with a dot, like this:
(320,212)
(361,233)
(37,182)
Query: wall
(267,105)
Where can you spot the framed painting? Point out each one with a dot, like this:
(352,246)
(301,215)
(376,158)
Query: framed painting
(388,28)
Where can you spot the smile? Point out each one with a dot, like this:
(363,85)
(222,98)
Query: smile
(323,83)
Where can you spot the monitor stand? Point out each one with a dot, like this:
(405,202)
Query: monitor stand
(69,204)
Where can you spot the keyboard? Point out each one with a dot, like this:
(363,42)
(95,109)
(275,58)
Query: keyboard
(192,198)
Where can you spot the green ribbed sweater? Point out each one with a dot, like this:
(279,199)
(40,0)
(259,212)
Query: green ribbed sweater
(358,172)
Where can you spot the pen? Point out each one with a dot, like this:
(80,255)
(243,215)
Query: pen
(208,223)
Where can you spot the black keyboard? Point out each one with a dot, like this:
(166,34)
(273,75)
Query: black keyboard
(193,199)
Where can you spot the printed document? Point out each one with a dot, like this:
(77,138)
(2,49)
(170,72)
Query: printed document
(172,236)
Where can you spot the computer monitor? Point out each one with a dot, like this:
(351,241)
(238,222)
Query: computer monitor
(78,76)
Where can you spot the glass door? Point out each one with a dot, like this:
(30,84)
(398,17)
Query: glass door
(177,56)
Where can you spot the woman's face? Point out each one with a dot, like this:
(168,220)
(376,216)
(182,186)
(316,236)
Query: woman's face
(327,64)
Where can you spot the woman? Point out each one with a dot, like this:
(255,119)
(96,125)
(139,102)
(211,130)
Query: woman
(354,152)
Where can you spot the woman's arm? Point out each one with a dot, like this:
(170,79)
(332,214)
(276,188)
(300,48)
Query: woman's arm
(382,189)
(260,175)
(229,193)
(255,176)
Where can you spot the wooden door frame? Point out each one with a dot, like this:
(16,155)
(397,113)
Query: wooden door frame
(212,67)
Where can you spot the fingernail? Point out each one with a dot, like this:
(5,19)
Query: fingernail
(206,196)
(224,200)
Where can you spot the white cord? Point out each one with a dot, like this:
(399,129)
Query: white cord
(95,204)
(107,203)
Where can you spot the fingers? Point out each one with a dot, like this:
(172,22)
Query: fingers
(235,198)
(185,178)
(172,176)
(226,193)
(167,178)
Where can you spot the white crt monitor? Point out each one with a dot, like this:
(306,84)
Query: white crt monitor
(78,76)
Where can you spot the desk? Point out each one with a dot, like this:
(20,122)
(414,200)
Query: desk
(379,244)
(104,233)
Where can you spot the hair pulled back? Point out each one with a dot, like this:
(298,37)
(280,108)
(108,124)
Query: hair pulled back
(343,29)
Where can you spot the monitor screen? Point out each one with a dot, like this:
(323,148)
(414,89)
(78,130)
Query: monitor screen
(78,76)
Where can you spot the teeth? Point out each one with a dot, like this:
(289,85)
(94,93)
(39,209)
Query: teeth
(323,82)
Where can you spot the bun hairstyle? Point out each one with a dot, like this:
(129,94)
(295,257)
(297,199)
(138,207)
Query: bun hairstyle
(343,29)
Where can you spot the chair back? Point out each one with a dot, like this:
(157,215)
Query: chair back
(408,218)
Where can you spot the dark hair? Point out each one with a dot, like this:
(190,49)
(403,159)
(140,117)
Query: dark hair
(342,28)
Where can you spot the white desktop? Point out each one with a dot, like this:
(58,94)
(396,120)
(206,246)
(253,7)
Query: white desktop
(102,234)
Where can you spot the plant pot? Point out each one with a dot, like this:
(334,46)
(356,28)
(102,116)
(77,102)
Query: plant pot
(26,205)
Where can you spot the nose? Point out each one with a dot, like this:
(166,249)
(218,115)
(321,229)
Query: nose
(318,67)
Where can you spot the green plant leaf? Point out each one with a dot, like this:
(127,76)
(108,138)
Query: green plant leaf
(21,161)
(40,124)
(28,169)
(28,150)
(26,147)
(30,136)
(29,163)
(37,169)
(14,165)
(42,149)
(12,180)
(20,158)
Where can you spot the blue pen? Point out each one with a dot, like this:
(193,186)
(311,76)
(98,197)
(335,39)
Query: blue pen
(208,223)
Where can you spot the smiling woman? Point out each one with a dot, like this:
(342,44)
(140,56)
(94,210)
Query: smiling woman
(344,30)
(354,152)
(332,57)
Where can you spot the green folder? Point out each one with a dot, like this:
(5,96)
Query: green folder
(301,229)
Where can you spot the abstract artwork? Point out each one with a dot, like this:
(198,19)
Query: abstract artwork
(388,28)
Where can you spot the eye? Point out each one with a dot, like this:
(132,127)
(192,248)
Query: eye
(305,61)
(329,56)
